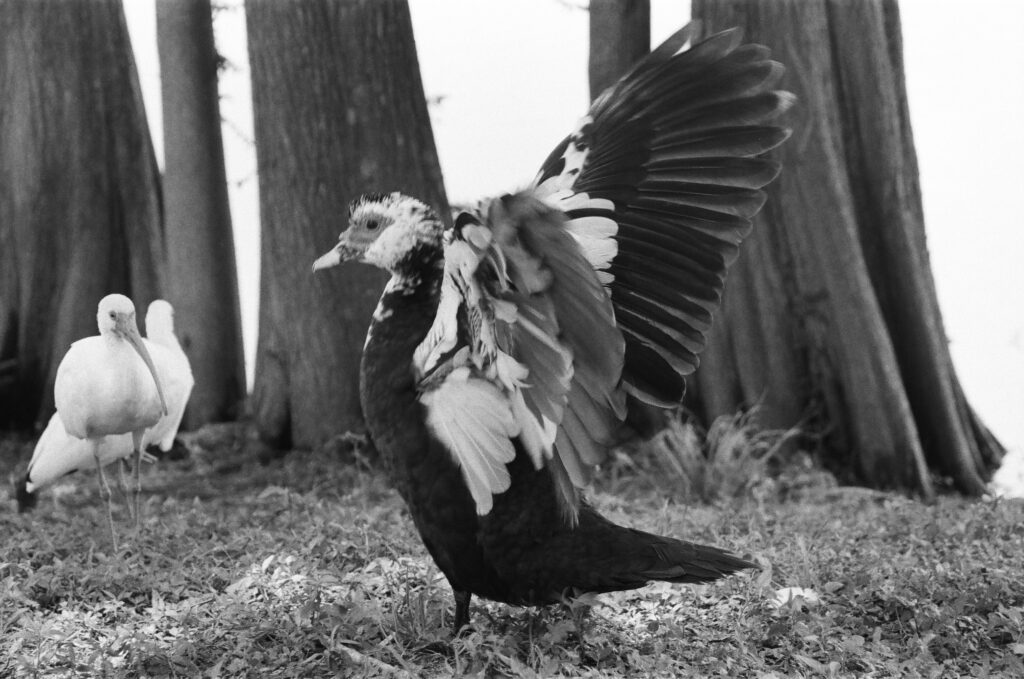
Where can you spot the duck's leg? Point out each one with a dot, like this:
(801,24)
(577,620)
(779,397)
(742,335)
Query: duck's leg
(462,598)
(137,444)
(105,492)
(580,612)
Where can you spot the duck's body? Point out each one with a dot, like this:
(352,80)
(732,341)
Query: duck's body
(428,480)
(59,452)
(520,552)
(506,349)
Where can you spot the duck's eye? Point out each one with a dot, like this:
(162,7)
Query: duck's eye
(113,315)
(372,224)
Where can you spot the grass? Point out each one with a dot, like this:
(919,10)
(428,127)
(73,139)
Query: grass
(731,460)
(308,566)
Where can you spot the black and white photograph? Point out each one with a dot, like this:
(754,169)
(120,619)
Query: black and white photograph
(511,338)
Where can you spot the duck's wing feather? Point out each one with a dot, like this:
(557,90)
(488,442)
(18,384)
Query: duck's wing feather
(659,182)
(474,420)
(525,337)
(600,280)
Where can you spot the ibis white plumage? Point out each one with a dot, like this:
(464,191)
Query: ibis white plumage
(58,453)
(174,370)
(108,385)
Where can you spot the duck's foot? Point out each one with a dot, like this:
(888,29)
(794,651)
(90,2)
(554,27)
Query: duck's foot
(462,599)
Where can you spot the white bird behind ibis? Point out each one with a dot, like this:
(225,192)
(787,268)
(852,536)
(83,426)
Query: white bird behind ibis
(58,453)
(108,385)
(174,369)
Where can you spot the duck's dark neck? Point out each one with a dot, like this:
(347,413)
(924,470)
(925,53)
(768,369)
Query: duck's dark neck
(401,321)
(408,303)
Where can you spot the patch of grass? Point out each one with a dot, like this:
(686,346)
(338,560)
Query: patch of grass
(307,566)
(734,458)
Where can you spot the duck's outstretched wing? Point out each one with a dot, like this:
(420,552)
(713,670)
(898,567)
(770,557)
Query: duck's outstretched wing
(600,280)
(659,182)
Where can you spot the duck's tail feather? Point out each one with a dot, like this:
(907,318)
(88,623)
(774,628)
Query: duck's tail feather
(681,561)
(618,558)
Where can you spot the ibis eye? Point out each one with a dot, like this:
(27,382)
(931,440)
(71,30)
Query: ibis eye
(372,224)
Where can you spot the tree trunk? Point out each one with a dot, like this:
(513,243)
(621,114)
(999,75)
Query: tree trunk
(831,313)
(620,35)
(200,248)
(339,110)
(79,189)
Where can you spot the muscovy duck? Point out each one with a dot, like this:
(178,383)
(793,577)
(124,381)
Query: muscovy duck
(498,363)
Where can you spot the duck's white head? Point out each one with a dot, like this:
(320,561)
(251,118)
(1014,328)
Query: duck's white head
(391,231)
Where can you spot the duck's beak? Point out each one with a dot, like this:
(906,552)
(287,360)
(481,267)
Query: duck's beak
(131,333)
(328,259)
(344,251)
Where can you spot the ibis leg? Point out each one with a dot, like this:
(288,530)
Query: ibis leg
(122,482)
(462,609)
(137,442)
(105,492)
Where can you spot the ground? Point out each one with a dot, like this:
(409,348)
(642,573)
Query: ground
(308,566)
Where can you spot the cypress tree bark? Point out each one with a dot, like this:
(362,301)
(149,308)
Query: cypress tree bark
(339,110)
(80,212)
(200,247)
(830,313)
(620,35)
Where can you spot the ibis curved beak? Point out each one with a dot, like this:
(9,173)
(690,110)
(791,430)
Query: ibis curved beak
(131,333)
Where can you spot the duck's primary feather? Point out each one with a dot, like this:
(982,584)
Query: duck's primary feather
(497,369)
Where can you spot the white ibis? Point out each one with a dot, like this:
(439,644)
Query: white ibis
(58,453)
(108,385)
(174,370)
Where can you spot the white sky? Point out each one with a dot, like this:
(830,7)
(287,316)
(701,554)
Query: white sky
(513,75)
